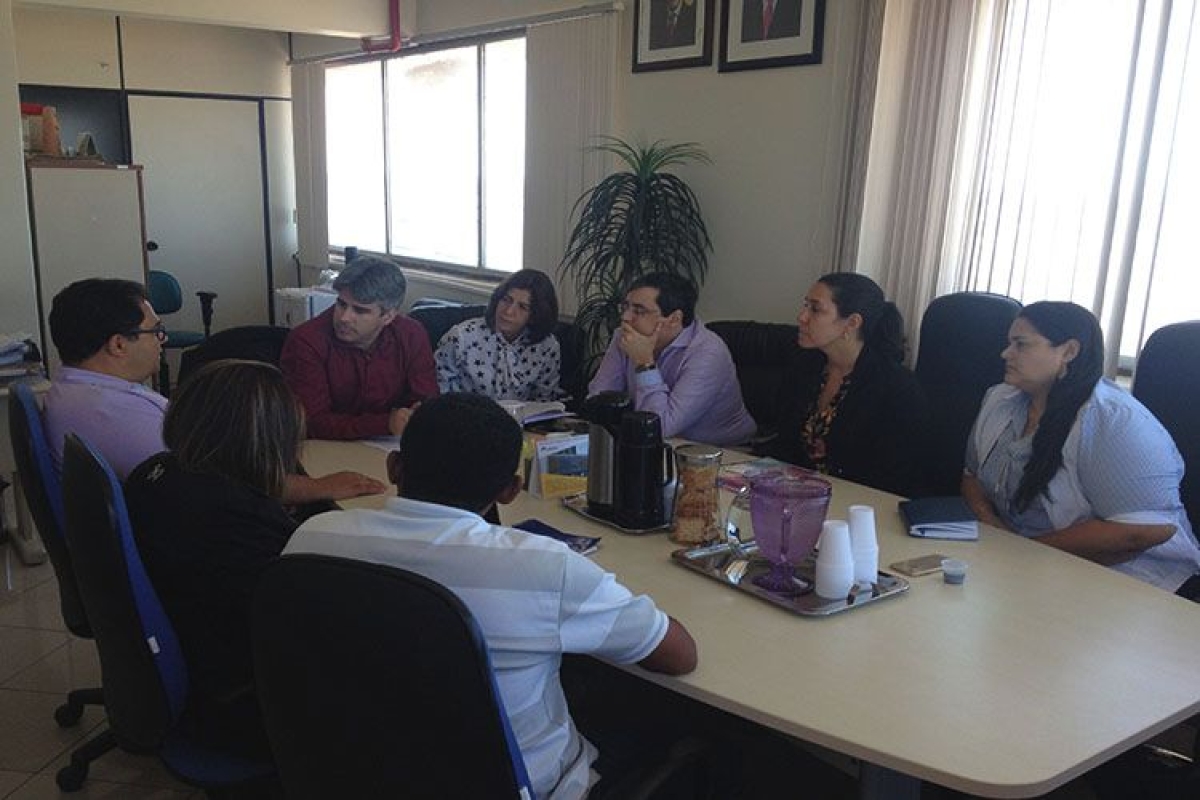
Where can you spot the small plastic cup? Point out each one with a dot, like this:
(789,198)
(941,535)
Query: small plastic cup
(954,570)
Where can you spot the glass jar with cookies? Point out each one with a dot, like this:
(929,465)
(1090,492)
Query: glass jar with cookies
(697,517)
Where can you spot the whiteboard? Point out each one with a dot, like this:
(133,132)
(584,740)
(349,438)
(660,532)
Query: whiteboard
(87,223)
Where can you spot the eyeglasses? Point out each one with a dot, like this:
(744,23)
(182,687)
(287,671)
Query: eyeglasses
(638,311)
(159,332)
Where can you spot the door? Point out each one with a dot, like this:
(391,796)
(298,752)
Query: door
(204,203)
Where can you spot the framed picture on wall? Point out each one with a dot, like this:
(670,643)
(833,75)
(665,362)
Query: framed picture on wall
(671,34)
(758,34)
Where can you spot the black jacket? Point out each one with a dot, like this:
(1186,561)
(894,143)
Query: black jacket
(877,437)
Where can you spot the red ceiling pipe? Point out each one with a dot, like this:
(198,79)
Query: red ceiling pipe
(392,43)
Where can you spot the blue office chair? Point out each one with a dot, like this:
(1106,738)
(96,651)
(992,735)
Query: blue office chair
(376,682)
(167,298)
(145,677)
(43,495)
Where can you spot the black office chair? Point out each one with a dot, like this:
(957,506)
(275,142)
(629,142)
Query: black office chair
(251,342)
(438,319)
(145,677)
(761,352)
(962,336)
(1167,382)
(43,495)
(376,682)
(167,298)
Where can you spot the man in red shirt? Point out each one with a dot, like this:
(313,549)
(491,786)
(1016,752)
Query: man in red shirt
(361,367)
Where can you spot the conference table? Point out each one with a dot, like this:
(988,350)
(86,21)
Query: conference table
(1036,669)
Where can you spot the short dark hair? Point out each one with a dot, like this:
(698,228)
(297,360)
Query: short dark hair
(88,313)
(675,293)
(237,419)
(543,302)
(883,327)
(459,450)
(373,280)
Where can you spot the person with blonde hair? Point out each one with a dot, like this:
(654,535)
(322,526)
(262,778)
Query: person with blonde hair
(207,519)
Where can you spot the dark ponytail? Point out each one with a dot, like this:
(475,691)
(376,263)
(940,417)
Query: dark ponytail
(1060,322)
(883,326)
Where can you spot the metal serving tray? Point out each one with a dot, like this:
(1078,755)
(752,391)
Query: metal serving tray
(717,561)
(578,504)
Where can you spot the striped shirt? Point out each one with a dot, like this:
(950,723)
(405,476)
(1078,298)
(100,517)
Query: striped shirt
(534,599)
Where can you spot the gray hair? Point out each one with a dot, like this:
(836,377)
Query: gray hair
(373,280)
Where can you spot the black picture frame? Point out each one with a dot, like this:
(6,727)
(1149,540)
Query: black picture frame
(660,43)
(795,35)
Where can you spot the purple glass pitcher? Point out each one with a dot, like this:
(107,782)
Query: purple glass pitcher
(786,512)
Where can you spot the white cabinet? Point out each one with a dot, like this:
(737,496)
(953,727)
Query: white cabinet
(87,222)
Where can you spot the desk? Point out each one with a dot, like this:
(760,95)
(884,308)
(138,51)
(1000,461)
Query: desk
(1039,668)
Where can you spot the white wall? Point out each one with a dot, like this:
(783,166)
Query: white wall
(73,48)
(212,59)
(778,141)
(341,18)
(18,304)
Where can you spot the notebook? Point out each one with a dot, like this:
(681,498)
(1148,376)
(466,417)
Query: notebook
(940,518)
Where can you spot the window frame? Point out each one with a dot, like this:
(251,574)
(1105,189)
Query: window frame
(480,271)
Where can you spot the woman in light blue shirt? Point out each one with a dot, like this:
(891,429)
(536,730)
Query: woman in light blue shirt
(1061,454)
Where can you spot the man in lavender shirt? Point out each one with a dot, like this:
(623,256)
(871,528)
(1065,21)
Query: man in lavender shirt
(673,365)
(110,340)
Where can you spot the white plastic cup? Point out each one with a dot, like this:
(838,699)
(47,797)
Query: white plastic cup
(835,562)
(864,544)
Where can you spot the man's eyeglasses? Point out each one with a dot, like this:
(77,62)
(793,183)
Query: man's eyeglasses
(638,311)
(159,332)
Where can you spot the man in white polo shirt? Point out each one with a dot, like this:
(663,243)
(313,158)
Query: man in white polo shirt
(533,597)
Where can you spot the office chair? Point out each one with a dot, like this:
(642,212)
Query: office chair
(43,495)
(437,319)
(376,682)
(167,298)
(1167,382)
(145,677)
(958,359)
(761,352)
(251,342)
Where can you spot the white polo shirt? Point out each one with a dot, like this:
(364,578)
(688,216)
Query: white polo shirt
(534,599)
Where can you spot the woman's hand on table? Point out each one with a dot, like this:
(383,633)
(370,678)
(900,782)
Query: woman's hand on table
(344,485)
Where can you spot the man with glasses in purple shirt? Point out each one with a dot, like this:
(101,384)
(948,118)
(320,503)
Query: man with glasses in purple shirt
(674,366)
(110,340)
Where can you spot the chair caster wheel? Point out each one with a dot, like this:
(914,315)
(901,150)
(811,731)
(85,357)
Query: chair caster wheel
(71,777)
(68,715)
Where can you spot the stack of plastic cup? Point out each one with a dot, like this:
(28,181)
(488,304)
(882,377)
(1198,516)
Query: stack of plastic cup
(864,545)
(835,562)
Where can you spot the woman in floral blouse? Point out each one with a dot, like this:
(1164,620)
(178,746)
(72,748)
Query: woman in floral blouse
(851,408)
(511,352)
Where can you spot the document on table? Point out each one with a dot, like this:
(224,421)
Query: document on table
(384,443)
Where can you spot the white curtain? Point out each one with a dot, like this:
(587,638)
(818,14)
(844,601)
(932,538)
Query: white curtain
(308,131)
(923,60)
(1080,170)
(1048,149)
(848,224)
(571,78)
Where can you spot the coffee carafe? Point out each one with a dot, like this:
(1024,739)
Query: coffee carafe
(603,412)
(645,472)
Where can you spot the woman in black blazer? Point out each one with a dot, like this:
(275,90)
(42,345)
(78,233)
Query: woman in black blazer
(851,409)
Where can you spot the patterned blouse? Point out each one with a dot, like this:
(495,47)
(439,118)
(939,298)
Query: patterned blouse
(475,359)
(818,423)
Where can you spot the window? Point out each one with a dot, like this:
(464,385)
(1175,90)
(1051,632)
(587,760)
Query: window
(426,155)
(1079,170)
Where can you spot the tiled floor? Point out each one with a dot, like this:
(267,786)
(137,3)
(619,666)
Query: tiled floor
(39,663)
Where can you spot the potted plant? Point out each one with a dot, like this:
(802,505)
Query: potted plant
(633,222)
